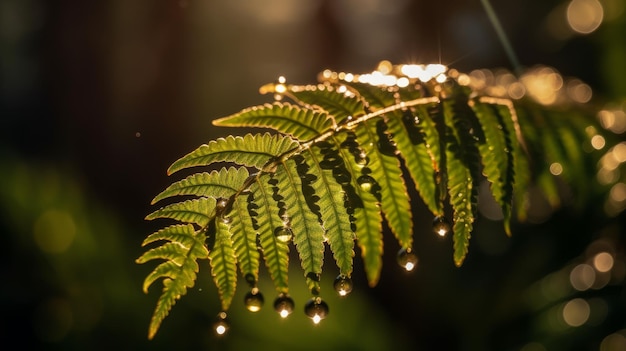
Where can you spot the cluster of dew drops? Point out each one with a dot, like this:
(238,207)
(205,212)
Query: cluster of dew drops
(316,308)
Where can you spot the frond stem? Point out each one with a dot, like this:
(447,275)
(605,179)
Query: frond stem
(504,40)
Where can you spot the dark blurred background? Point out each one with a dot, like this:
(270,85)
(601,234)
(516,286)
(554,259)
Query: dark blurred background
(98,98)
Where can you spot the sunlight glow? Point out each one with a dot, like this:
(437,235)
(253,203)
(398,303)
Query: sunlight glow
(425,72)
(556,169)
(618,192)
(614,342)
(284,313)
(220,329)
(598,142)
(582,277)
(603,262)
(409,266)
(316,319)
(576,312)
(584,16)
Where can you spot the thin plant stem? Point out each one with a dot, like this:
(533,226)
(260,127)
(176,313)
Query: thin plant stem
(504,40)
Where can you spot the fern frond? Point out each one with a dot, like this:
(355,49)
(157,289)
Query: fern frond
(302,210)
(244,236)
(417,141)
(333,100)
(334,170)
(497,154)
(223,263)
(217,184)
(334,202)
(463,173)
(249,150)
(191,211)
(302,124)
(268,223)
(184,249)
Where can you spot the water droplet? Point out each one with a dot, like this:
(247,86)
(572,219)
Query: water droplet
(222,324)
(361,159)
(226,220)
(416,120)
(343,285)
(365,182)
(283,234)
(254,300)
(407,259)
(250,279)
(284,305)
(441,226)
(316,309)
(221,204)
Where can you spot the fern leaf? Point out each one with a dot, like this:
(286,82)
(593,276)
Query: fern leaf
(497,154)
(249,150)
(275,251)
(462,168)
(373,97)
(385,164)
(367,216)
(224,263)
(191,211)
(244,238)
(302,124)
(222,183)
(294,183)
(179,270)
(325,165)
(417,141)
(332,100)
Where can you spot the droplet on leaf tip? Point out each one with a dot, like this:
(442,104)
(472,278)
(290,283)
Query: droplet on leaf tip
(316,309)
(254,300)
(343,285)
(407,259)
(250,279)
(222,324)
(441,226)
(283,305)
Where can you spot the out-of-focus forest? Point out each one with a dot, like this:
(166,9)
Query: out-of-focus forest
(97,99)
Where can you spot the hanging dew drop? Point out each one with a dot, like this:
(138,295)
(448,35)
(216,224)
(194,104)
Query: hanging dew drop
(254,300)
(221,325)
(407,259)
(343,285)
(250,279)
(283,305)
(441,226)
(316,309)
